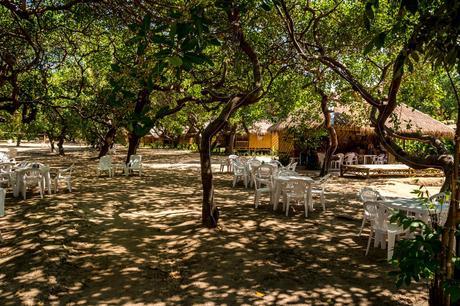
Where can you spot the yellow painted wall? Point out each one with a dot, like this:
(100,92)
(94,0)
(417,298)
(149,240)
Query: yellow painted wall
(286,143)
(275,142)
(260,141)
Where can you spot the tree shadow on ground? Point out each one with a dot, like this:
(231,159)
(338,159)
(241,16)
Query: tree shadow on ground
(139,240)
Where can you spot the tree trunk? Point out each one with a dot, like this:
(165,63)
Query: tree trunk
(108,141)
(333,141)
(50,138)
(60,143)
(133,144)
(18,141)
(208,219)
(230,145)
(437,295)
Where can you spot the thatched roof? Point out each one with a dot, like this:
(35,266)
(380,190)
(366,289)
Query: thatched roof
(406,119)
(260,127)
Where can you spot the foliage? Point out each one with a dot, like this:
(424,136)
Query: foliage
(418,258)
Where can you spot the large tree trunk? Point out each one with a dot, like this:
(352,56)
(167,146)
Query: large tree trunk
(438,296)
(51,140)
(18,141)
(230,140)
(333,141)
(60,143)
(108,141)
(133,144)
(207,209)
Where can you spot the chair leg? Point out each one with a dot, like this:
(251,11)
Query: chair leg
(391,244)
(362,226)
(306,206)
(256,199)
(56,185)
(323,200)
(234,181)
(287,207)
(369,241)
(24,190)
(42,189)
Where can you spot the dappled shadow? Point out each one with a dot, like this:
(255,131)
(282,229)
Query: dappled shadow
(139,240)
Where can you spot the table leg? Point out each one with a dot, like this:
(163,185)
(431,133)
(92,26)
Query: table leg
(391,244)
(276,196)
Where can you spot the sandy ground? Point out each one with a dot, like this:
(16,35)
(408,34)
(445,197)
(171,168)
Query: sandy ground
(138,240)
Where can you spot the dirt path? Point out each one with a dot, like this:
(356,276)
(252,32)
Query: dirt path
(131,240)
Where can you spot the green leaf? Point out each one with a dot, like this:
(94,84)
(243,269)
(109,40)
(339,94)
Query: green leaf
(215,42)
(175,61)
(410,5)
(141,48)
(380,40)
(183,29)
(115,67)
(368,48)
(189,44)
(146,22)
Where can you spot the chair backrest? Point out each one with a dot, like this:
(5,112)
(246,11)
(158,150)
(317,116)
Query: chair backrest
(439,198)
(33,173)
(275,163)
(324,179)
(381,219)
(264,171)
(340,157)
(135,160)
(297,186)
(105,162)
(287,172)
(350,157)
(370,195)
(238,167)
(22,164)
(292,166)
(442,208)
(254,163)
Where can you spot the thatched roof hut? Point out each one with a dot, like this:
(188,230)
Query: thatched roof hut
(405,119)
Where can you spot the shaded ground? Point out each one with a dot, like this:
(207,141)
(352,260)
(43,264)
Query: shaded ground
(128,240)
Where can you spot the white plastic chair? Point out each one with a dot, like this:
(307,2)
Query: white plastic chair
(292,166)
(105,164)
(381,228)
(350,159)
(64,175)
(264,175)
(33,178)
(337,163)
(380,159)
(227,162)
(296,190)
(239,173)
(253,164)
(135,164)
(318,188)
(368,195)
(442,208)
(259,190)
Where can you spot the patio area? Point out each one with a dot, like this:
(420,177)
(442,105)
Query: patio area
(139,240)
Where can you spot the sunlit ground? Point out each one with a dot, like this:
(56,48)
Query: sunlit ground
(138,240)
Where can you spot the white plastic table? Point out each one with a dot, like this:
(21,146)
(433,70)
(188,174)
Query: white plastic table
(413,205)
(281,180)
(20,172)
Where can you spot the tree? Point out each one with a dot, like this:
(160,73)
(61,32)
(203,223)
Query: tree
(426,29)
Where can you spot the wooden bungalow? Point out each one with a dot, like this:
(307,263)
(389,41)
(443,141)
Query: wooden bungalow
(354,130)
